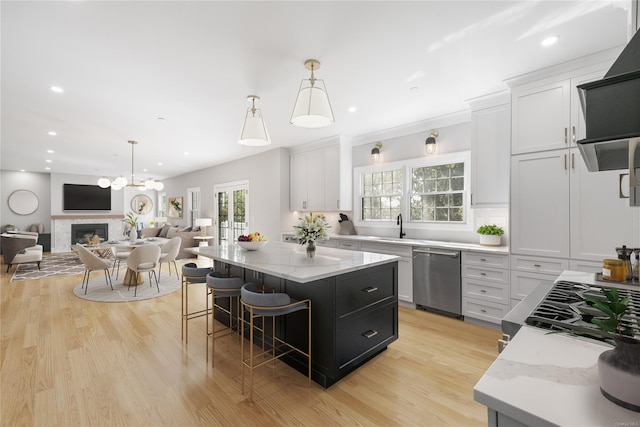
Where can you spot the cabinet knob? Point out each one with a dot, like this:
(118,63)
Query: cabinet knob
(483,274)
(537,265)
(484,291)
(483,310)
(483,260)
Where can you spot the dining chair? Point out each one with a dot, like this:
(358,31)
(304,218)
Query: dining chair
(93,262)
(260,304)
(144,259)
(168,253)
(120,253)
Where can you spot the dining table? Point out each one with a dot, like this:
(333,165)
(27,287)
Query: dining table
(104,250)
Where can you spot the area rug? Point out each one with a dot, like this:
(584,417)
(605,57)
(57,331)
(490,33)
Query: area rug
(57,264)
(100,291)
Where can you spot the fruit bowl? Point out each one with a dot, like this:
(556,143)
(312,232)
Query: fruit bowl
(252,246)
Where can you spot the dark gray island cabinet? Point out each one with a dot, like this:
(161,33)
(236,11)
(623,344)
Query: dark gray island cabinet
(354,300)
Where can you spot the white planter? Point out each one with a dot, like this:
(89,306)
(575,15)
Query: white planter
(489,239)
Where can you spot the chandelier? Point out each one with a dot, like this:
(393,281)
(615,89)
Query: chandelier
(121,182)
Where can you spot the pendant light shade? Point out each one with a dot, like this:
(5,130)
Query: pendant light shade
(254,131)
(312,108)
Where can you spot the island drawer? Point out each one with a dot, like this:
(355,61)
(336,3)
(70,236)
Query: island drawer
(485,260)
(361,289)
(489,274)
(363,334)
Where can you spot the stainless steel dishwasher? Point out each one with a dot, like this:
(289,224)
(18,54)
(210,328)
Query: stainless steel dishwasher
(436,281)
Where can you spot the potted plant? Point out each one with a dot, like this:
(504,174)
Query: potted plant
(490,235)
(10,227)
(132,221)
(618,368)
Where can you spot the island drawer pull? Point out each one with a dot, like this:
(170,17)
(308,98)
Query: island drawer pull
(537,265)
(369,289)
(484,291)
(370,334)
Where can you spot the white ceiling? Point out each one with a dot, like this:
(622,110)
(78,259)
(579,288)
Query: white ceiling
(123,65)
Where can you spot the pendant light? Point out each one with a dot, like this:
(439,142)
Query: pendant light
(312,108)
(120,182)
(254,132)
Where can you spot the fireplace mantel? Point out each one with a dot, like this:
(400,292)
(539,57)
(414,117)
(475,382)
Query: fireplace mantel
(106,216)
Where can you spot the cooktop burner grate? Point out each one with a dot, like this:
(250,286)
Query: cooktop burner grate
(565,309)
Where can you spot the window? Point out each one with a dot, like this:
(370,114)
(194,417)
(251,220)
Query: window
(428,192)
(437,193)
(381,195)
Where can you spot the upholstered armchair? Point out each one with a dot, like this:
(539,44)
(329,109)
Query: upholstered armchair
(21,247)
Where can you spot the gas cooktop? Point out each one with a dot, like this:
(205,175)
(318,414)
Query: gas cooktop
(565,309)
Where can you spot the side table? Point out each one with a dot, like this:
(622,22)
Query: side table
(203,241)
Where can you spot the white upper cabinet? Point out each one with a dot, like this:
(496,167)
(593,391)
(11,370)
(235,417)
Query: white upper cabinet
(490,139)
(320,178)
(548,116)
(540,204)
(541,117)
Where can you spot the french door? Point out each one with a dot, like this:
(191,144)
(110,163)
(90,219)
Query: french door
(231,210)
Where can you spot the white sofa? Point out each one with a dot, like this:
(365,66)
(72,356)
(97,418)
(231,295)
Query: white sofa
(20,247)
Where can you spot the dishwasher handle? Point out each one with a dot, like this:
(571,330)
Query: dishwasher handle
(454,254)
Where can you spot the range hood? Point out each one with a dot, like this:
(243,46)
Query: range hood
(611,109)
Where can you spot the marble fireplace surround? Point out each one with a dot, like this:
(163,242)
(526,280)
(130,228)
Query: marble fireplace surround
(61,228)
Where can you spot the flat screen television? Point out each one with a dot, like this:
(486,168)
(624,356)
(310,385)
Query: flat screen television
(80,197)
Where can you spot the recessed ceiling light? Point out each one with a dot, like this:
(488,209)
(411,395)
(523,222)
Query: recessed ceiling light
(52,133)
(159,163)
(549,41)
(145,170)
(22,170)
(48,161)
(352,109)
(186,153)
(50,151)
(47,168)
(56,89)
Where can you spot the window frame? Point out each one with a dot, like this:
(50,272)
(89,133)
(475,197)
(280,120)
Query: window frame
(406,166)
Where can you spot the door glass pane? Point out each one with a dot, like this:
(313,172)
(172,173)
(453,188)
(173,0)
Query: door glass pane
(223,216)
(239,213)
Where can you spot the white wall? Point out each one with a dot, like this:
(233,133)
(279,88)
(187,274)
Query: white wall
(452,138)
(268,176)
(38,183)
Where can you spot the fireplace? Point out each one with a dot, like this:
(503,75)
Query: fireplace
(80,232)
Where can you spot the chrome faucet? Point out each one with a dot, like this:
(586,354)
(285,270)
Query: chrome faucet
(399,222)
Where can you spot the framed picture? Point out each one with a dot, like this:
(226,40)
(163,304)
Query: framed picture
(175,207)
(141,204)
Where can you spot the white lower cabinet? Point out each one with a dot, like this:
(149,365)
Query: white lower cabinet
(485,286)
(405,265)
(527,272)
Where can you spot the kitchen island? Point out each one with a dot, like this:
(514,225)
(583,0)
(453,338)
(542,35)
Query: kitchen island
(354,299)
(547,379)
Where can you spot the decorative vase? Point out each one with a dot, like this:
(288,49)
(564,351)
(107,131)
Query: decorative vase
(133,234)
(619,371)
(311,249)
(489,239)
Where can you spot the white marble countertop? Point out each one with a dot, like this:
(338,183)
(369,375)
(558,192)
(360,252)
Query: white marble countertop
(551,379)
(419,243)
(290,261)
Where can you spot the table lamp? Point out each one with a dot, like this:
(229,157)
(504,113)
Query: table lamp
(203,223)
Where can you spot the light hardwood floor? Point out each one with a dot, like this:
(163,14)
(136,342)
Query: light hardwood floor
(70,362)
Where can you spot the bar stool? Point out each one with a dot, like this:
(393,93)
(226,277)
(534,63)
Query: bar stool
(259,304)
(191,273)
(222,287)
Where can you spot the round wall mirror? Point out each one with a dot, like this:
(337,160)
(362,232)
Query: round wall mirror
(141,204)
(23,202)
